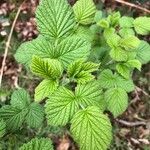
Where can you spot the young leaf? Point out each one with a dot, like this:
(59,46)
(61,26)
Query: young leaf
(89,94)
(35,115)
(80,71)
(129,42)
(46,68)
(134,64)
(13,116)
(84,11)
(38,144)
(118,54)
(142,25)
(2,128)
(143,52)
(61,107)
(117,100)
(91,129)
(20,99)
(55,19)
(98,15)
(45,89)
(126,22)
(109,80)
(103,23)
(124,70)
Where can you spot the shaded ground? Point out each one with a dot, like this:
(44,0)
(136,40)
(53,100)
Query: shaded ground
(128,135)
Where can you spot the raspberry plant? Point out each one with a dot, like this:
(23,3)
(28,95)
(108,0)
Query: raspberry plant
(85,60)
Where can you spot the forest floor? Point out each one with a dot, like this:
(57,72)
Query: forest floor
(131,130)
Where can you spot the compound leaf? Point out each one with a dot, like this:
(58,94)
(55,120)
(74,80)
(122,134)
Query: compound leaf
(45,89)
(20,99)
(91,129)
(38,144)
(84,11)
(35,115)
(55,19)
(61,107)
(117,100)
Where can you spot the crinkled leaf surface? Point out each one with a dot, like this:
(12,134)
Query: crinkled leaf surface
(45,89)
(35,115)
(109,80)
(2,128)
(20,99)
(91,129)
(84,11)
(55,19)
(61,106)
(117,100)
(38,144)
(142,25)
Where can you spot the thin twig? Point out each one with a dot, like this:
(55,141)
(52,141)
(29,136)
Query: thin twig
(133,5)
(131,124)
(8,43)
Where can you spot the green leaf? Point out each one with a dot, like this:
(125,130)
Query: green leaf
(124,70)
(108,33)
(66,51)
(80,71)
(143,52)
(2,128)
(113,40)
(126,22)
(84,11)
(109,80)
(71,49)
(45,89)
(103,23)
(114,18)
(134,64)
(46,68)
(118,54)
(20,99)
(55,19)
(89,94)
(124,32)
(40,47)
(61,107)
(98,15)
(38,144)
(91,129)
(142,25)
(35,115)
(117,100)
(129,42)
(13,116)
